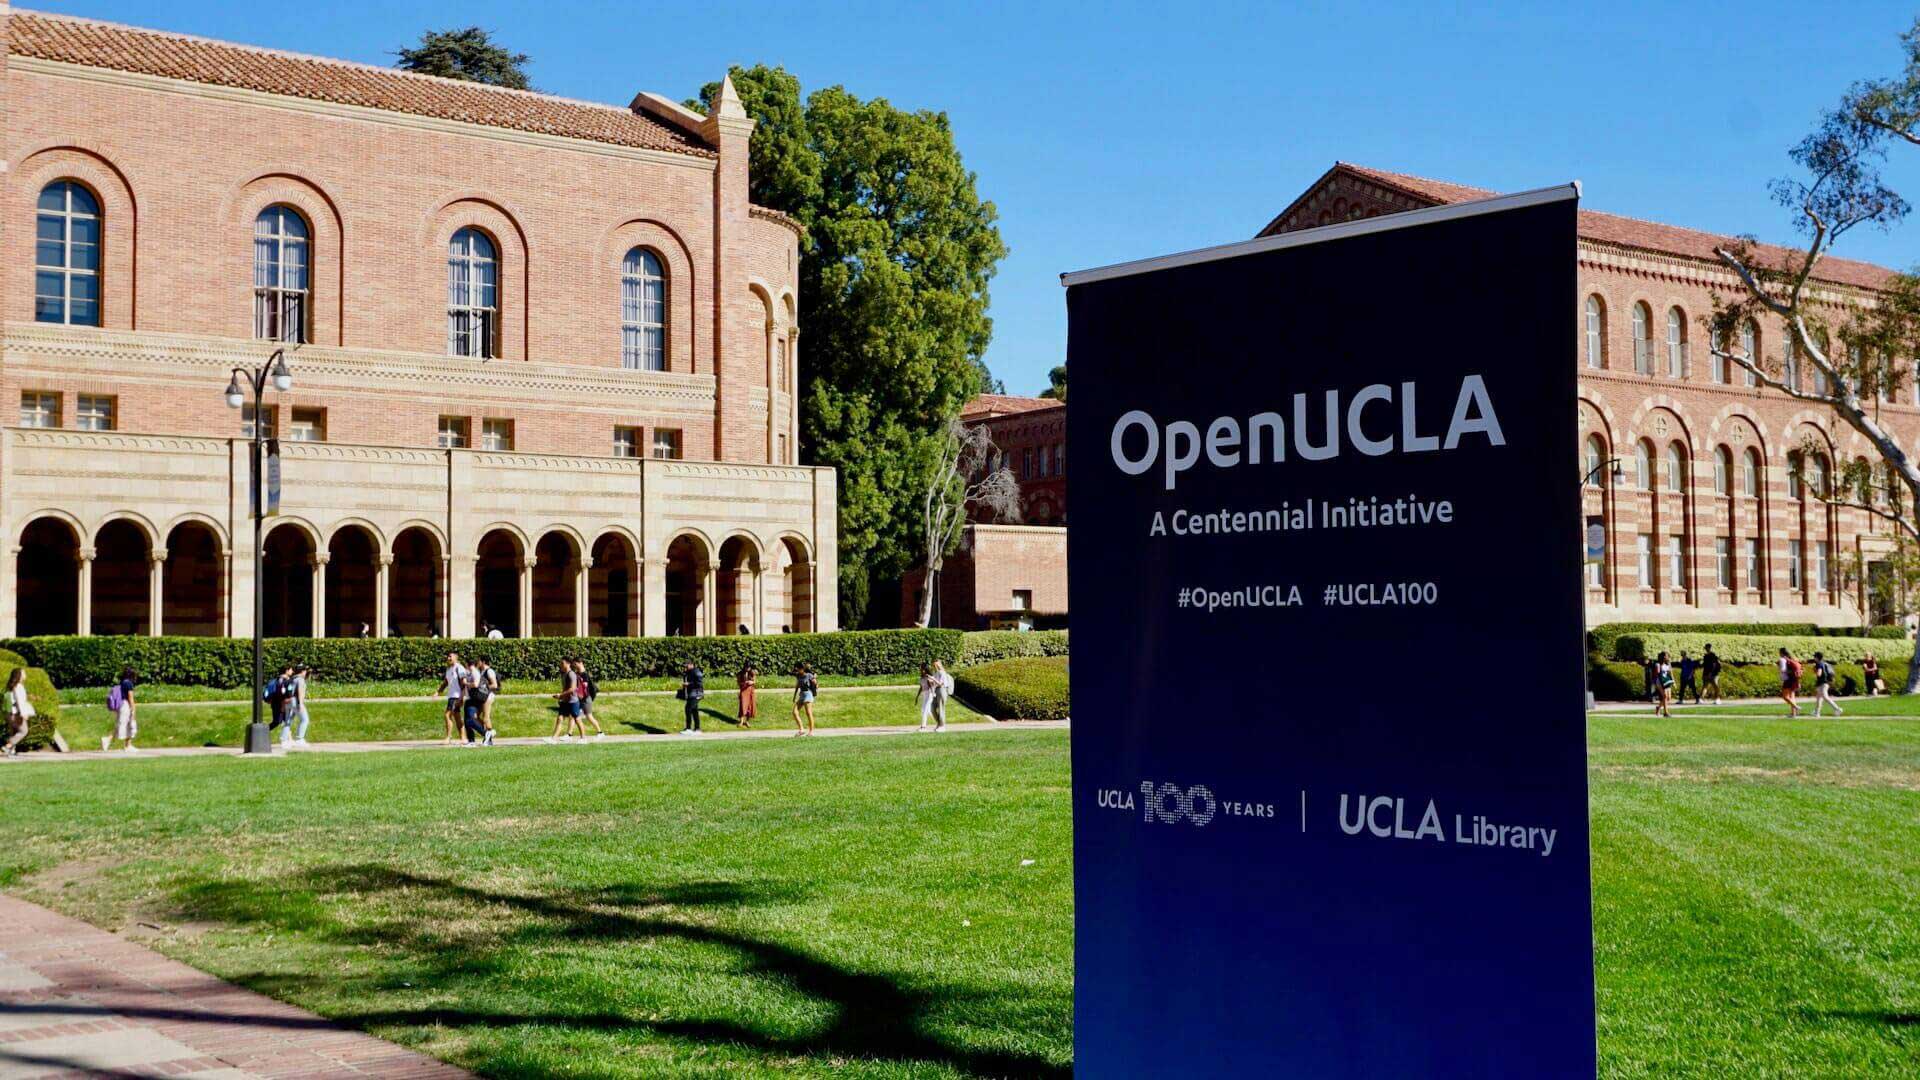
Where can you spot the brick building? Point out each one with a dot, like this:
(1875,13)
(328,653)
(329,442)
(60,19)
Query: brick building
(1030,439)
(544,352)
(1707,518)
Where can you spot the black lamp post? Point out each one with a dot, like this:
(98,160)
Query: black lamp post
(259,741)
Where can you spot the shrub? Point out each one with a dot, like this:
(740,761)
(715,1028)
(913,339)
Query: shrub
(228,662)
(1751,649)
(1622,680)
(986,646)
(46,703)
(1602,638)
(1025,688)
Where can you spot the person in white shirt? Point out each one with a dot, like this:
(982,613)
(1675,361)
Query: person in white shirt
(19,710)
(298,705)
(942,690)
(927,689)
(494,634)
(453,686)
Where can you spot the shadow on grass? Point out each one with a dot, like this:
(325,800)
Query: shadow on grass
(874,1017)
(1887,1018)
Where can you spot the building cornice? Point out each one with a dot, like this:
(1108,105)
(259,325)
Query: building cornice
(1687,270)
(412,121)
(148,354)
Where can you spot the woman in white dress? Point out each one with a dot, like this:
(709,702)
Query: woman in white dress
(19,710)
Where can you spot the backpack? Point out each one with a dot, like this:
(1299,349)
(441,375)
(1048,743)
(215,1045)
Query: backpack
(276,691)
(1793,669)
(116,697)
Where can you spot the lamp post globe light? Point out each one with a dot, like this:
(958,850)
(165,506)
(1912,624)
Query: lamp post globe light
(273,369)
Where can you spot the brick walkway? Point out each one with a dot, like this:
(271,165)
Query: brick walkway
(78,1001)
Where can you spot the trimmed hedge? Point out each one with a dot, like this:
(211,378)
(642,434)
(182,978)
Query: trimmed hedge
(46,703)
(1755,649)
(1026,688)
(986,646)
(1623,680)
(1601,638)
(228,662)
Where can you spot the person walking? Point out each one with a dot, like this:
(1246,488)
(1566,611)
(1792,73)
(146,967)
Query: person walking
(748,682)
(1823,686)
(805,689)
(475,712)
(19,711)
(1789,681)
(693,687)
(1649,678)
(1663,686)
(566,714)
(942,690)
(1870,672)
(586,690)
(297,708)
(1688,665)
(453,685)
(126,716)
(927,685)
(491,676)
(1710,672)
(280,698)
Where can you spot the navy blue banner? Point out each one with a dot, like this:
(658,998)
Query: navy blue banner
(1329,759)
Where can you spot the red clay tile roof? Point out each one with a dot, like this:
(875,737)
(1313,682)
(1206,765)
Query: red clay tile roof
(1626,231)
(987,405)
(178,56)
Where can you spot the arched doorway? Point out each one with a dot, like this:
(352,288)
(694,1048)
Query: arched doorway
(47,579)
(795,571)
(286,582)
(687,564)
(496,584)
(353,581)
(556,570)
(192,590)
(613,589)
(122,579)
(416,589)
(734,583)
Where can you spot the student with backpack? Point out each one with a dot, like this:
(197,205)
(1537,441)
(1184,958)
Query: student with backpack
(1710,671)
(278,694)
(491,675)
(1789,681)
(590,692)
(475,712)
(1823,686)
(1663,685)
(126,719)
(453,683)
(1688,665)
(805,689)
(567,710)
(693,687)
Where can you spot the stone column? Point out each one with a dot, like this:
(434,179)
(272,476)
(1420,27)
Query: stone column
(581,580)
(457,614)
(228,594)
(85,602)
(709,600)
(383,581)
(9,597)
(527,563)
(653,597)
(793,396)
(156,590)
(759,620)
(318,560)
(773,389)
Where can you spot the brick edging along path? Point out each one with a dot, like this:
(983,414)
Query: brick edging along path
(76,1000)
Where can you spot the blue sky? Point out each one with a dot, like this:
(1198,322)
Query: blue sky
(1116,131)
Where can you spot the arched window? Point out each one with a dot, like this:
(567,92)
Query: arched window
(66,256)
(1719,361)
(1676,468)
(643,312)
(1790,364)
(1722,471)
(1796,485)
(1596,333)
(473,295)
(1642,341)
(1750,474)
(1643,466)
(1596,462)
(280,272)
(1676,343)
(1750,345)
(1822,476)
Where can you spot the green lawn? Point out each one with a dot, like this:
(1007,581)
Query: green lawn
(859,906)
(1856,707)
(424,718)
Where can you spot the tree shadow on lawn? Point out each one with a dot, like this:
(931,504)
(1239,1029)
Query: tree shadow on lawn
(874,1017)
(1886,1017)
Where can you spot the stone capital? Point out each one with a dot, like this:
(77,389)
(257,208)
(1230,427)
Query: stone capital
(385,558)
(528,562)
(156,556)
(319,558)
(86,554)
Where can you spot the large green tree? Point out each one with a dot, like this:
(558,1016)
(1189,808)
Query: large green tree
(893,298)
(469,53)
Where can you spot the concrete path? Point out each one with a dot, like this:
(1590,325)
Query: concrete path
(437,744)
(78,1001)
(435,697)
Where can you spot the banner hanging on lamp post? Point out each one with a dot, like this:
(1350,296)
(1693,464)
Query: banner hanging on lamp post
(1329,762)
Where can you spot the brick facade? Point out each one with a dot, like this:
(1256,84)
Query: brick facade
(1030,439)
(184,142)
(1724,547)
